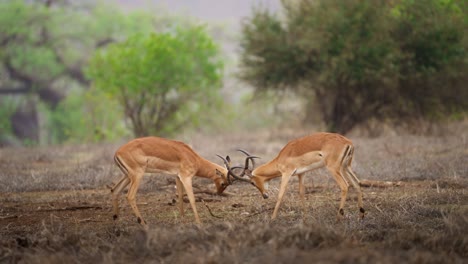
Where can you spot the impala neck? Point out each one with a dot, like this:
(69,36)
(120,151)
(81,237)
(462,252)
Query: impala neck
(264,174)
(207,169)
(267,171)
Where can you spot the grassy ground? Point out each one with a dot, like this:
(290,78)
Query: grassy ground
(55,208)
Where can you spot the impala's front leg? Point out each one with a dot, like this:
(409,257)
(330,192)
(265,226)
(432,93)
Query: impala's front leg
(180,194)
(187,182)
(284,183)
(302,191)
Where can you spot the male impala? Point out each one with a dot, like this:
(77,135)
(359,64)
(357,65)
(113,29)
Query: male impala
(304,154)
(154,154)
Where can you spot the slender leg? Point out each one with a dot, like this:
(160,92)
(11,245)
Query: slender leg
(284,183)
(116,193)
(344,185)
(131,195)
(187,182)
(351,177)
(119,182)
(356,186)
(180,194)
(302,191)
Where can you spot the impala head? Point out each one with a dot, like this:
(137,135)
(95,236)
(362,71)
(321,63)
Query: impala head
(222,182)
(225,176)
(262,185)
(247,171)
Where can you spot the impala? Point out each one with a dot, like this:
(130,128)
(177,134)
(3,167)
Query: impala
(333,151)
(154,154)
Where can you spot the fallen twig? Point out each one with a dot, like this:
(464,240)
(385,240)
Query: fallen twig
(199,199)
(261,212)
(205,192)
(380,184)
(8,217)
(70,208)
(87,220)
(214,193)
(209,209)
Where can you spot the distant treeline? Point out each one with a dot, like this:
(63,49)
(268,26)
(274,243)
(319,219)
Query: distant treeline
(86,71)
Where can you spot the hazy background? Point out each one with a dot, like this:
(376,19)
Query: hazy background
(81,71)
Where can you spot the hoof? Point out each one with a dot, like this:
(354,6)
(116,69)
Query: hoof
(363,212)
(141,221)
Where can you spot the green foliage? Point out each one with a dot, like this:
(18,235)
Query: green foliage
(44,45)
(265,43)
(164,80)
(20,24)
(433,60)
(86,116)
(7,108)
(362,59)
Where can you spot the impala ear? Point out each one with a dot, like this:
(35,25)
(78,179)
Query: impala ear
(219,173)
(228,159)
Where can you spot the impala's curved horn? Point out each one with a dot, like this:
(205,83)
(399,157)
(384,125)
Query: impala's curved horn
(249,157)
(228,167)
(237,177)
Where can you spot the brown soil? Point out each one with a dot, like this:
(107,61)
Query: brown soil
(50,212)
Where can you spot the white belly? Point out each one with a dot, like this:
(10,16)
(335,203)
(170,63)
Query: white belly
(310,167)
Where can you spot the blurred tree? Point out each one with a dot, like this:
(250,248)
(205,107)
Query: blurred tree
(87,118)
(44,45)
(361,60)
(432,39)
(164,81)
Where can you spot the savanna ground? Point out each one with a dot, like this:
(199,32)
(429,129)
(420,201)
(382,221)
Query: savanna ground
(55,207)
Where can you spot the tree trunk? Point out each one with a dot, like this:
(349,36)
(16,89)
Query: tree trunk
(25,122)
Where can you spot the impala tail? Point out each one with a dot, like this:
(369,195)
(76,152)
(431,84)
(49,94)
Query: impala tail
(122,168)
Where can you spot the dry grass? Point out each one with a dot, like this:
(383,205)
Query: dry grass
(55,208)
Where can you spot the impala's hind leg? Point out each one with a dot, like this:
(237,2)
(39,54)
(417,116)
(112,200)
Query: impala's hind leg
(335,166)
(356,186)
(354,181)
(135,179)
(344,186)
(116,193)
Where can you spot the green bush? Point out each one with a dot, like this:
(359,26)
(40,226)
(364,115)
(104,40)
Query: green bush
(164,81)
(86,116)
(7,107)
(362,59)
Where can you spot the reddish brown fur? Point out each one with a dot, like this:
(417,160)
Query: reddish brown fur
(300,155)
(154,154)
